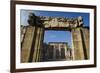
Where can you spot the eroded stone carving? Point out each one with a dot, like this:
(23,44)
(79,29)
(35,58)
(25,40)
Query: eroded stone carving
(55,21)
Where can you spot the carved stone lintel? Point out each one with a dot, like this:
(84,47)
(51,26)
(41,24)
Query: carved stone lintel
(55,21)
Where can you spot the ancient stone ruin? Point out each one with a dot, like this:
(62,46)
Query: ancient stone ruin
(32,37)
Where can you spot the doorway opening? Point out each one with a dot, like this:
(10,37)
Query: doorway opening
(57,46)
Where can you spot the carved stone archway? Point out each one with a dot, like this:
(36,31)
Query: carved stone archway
(32,36)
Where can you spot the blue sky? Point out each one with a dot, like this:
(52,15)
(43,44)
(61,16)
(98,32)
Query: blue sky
(55,36)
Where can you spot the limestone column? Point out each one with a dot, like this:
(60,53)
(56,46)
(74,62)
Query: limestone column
(77,45)
(23,32)
(85,33)
(37,48)
(27,43)
(54,53)
(59,51)
(40,45)
(65,47)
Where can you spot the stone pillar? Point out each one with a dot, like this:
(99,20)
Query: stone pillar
(86,43)
(27,43)
(66,52)
(77,44)
(54,53)
(38,46)
(23,32)
(59,51)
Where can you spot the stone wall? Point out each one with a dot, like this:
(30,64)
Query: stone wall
(56,51)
